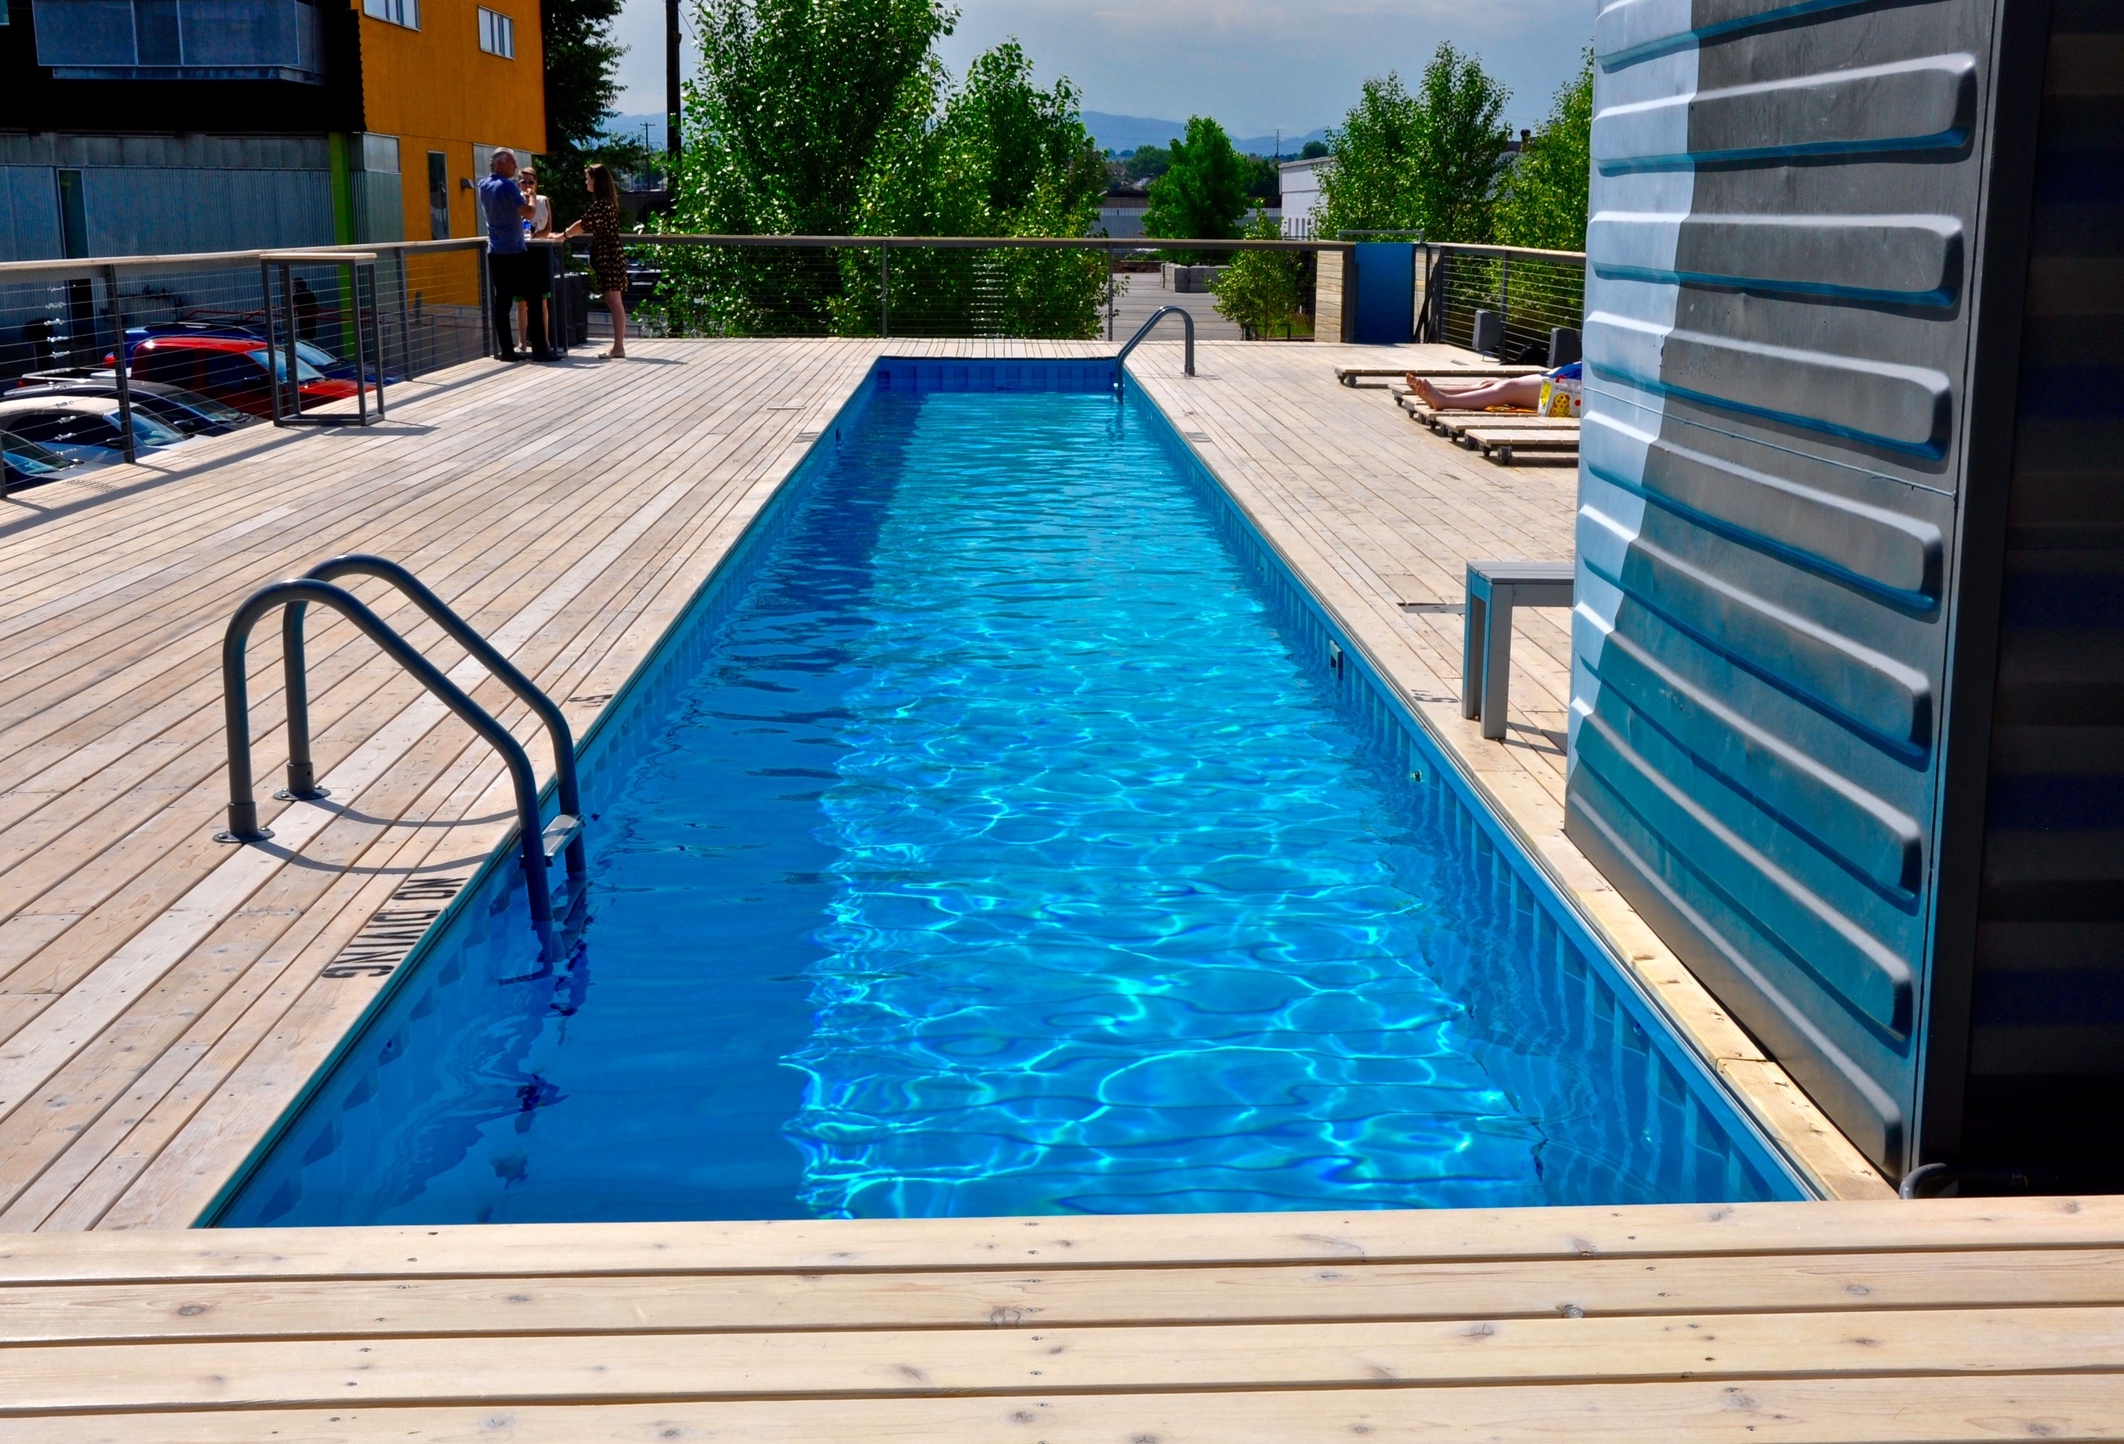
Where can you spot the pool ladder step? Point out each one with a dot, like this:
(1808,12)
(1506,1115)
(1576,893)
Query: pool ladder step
(561,831)
(537,844)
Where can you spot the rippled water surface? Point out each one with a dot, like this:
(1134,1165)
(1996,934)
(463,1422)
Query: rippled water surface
(1003,858)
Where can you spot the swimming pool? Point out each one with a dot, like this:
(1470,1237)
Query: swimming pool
(1004,831)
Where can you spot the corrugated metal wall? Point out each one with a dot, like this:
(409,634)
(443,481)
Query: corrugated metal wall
(2046,1068)
(160,195)
(1789,199)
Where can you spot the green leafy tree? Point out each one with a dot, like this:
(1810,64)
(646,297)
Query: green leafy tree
(1544,198)
(794,101)
(1148,162)
(1203,194)
(582,69)
(1428,162)
(1313,150)
(1002,157)
(582,85)
(1262,290)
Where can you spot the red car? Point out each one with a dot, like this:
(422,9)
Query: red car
(232,369)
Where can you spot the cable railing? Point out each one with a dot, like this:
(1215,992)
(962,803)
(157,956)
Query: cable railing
(72,315)
(430,313)
(1529,293)
(1029,287)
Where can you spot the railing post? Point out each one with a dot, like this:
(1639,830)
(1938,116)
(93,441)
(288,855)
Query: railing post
(405,335)
(122,363)
(485,307)
(1504,309)
(885,289)
(272,339)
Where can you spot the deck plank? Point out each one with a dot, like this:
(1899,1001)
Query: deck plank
(847,1245)
(1882,1411)
(549,1368)
(1219,1294)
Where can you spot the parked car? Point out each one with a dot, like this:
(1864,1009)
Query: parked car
(308,352)
(232,370)
(188,411)
(23,460)
(85,428)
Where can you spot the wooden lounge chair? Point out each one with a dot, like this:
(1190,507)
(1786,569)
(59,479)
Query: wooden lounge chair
(1351,375)
(1500,444)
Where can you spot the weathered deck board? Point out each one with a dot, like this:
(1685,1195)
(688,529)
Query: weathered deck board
(1890,1411)
(1983,1320)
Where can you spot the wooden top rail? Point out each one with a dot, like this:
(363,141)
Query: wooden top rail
(206,260)
(1510,253)
(963,243)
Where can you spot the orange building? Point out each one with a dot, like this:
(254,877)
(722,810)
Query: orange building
(444,83)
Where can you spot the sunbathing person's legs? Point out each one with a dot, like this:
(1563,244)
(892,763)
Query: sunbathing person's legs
(1478,396)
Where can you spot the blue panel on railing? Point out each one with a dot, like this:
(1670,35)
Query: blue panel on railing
(1386,293)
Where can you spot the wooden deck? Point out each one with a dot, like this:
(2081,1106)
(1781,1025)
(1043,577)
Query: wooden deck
(1791,1323)
(163,997)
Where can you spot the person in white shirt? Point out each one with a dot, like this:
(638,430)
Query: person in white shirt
(538,223)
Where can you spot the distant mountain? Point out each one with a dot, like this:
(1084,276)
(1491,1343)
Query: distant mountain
(1126,132)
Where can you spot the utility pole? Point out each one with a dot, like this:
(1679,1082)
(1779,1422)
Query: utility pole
(671,84)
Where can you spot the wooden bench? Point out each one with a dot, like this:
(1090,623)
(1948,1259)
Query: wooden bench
(1494,589)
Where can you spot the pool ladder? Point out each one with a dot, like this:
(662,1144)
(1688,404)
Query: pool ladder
(538,844)
(1187,320)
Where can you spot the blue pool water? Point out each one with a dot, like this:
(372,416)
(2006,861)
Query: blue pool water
(1006,847)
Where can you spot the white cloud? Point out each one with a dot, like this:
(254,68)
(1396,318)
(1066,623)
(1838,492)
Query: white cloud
(1256,65)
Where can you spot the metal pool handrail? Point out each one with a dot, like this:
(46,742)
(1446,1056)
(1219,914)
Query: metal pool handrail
(243,807)
(1188,320)
(302,772)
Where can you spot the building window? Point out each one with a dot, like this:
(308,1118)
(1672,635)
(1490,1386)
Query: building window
(73,216)
(497,34)
(438,196)
(393,12)
(180,39)
(379,153)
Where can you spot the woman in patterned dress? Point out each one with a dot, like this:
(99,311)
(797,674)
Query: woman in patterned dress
(601,221)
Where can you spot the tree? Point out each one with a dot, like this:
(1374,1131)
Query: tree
(1313,150)
(796,101)
(582,85)
(1203,194)
(1544,198)
(582,70)
(1264,180)
(1426,163)
(835,117)
(1001,157)
(792,99)
(1262,290)
(1148,162)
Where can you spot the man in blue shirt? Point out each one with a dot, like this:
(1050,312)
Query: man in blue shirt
(515,271)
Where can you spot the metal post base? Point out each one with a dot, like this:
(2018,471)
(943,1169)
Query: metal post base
(243,825)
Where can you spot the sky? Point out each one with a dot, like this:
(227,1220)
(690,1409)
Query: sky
(1256,65)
